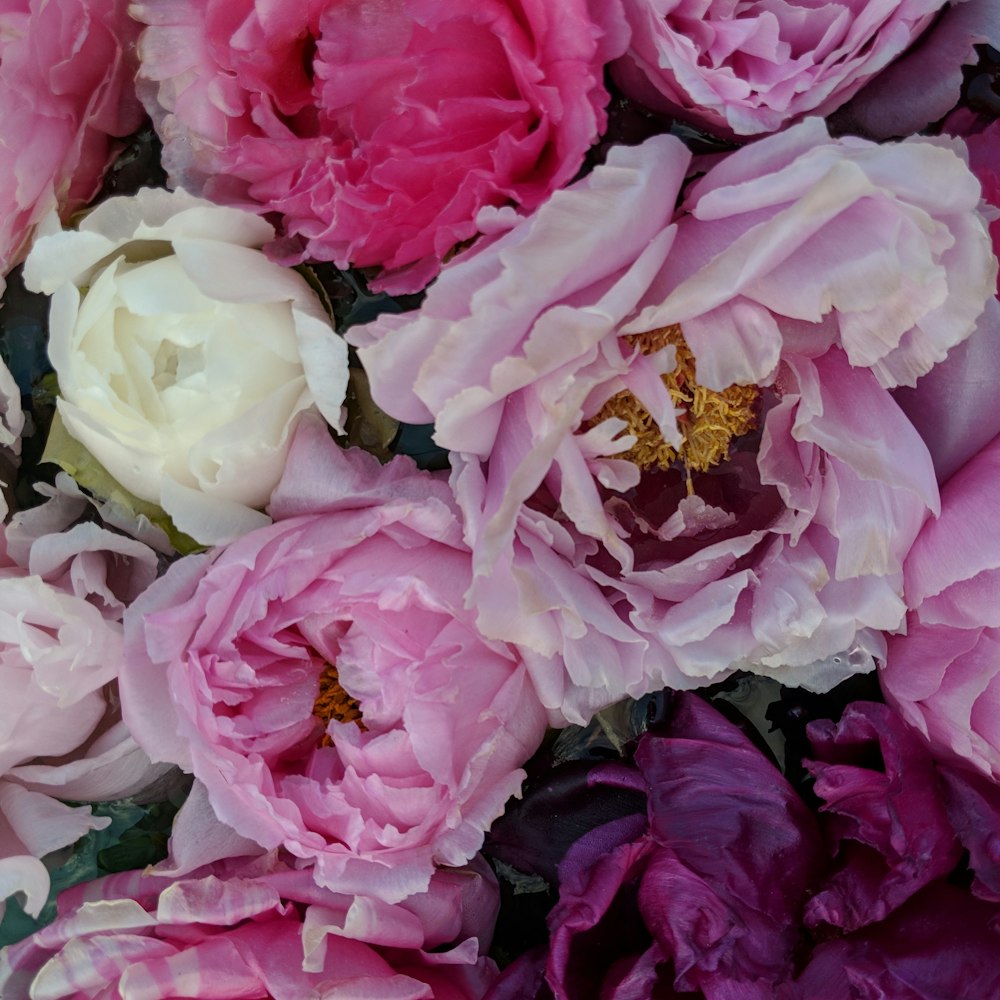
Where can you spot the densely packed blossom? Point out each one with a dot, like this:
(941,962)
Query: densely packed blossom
(65,92)
(61,736)
(702,398)
(256,929)
(185,358)
(377,130)
(756,67)
(322,679)
(716,414)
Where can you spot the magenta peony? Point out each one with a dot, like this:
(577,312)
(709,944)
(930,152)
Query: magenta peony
(888,825)
(61,735)
(939,944)
(323,680)
(944,675)
(257,930)
(683,427)
(66,70)
(755,67)
(377,130)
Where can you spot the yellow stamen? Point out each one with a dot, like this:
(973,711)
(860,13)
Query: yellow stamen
(709,420)
(333,702)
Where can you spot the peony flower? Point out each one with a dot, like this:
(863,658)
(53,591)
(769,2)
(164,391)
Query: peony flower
(689,870)
(953,404)
(888,825)
(944,675)
(941,943)
(898,824)
(61,736)
(695,868)
(253,930)
(926,82)
(65,90)
(682,426)
(756,67)
(184,357)
(324,682)
(377,130)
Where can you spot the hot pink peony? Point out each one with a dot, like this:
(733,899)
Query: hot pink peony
(670,440)
(257,930)
(66,71)
(944,674)
(61,736)
(755,67)
(322,679)
(377,130)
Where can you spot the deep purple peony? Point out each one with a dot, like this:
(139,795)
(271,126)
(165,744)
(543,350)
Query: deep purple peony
(695,869)
(694,879)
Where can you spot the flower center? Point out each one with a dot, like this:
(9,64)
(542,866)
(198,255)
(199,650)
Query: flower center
(333,702)
(709,420)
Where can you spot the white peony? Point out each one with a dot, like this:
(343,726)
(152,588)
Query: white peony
(184,356)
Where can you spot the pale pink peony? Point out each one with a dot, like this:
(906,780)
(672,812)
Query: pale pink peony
(954,404)
(808,268)
(755,67)
(61,735)
(66,70)
(944,675)
(377,130)
(258,930)
(322,679)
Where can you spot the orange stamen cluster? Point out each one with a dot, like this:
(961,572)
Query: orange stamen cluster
(709,419)
(333,702)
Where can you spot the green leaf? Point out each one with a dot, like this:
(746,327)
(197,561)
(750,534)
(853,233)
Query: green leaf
(136,837)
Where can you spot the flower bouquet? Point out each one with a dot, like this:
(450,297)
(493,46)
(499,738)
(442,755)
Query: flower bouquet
(499,500)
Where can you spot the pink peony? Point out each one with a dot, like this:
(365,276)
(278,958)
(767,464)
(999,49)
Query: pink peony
(924,84)
(670,441)
(65,90)
(944,675)
(322,679)
(377,130)
(61,735)
(257,930)
(954,404)
(755,67)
